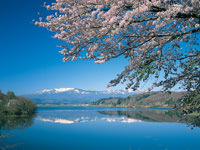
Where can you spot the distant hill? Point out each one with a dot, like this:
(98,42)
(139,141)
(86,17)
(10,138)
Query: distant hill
(74,95)
(147,99)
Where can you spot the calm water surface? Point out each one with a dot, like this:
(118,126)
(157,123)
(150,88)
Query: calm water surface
(94,128)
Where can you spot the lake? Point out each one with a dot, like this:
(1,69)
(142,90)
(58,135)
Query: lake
(100,128)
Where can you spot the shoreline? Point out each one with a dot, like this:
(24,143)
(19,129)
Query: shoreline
(88,105)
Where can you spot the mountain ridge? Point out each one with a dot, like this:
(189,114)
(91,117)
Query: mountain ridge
(75,95)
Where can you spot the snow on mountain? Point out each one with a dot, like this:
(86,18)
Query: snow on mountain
(75,95)
(82,91)
(59,90)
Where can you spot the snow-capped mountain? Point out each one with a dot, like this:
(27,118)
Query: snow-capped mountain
(74,95)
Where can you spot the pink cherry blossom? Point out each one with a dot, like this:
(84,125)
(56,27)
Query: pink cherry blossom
(160,38)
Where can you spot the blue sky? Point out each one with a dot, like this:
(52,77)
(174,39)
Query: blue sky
(30,60)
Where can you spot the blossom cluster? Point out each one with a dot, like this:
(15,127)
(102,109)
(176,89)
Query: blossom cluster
(158,37)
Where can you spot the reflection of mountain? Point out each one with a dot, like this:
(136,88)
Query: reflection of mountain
(155,116)
(147,115)
(87,119)
(71,115)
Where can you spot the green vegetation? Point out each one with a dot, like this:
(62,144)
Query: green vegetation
(173,102)
(190,104)
(148,99)
(12,105)
(183,102)
(142,97)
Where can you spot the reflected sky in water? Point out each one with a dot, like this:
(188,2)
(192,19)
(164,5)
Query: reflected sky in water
(94,128)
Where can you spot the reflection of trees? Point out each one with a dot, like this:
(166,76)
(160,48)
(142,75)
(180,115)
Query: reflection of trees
(20,122)
(156,116)
(193,121)
(8,123)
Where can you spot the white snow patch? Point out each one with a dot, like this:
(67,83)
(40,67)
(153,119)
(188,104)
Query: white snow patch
(63,90)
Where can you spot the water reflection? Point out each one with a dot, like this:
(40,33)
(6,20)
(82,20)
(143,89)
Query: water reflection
(147,115)
(87,119)
(8,123)
(123,116)
(157,116)
(100,128)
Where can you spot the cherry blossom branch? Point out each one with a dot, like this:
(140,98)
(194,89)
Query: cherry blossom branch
(150,33)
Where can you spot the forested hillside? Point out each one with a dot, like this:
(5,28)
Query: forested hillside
(148,99)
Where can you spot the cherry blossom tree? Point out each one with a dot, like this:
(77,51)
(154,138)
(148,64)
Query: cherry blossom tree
(158,37)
